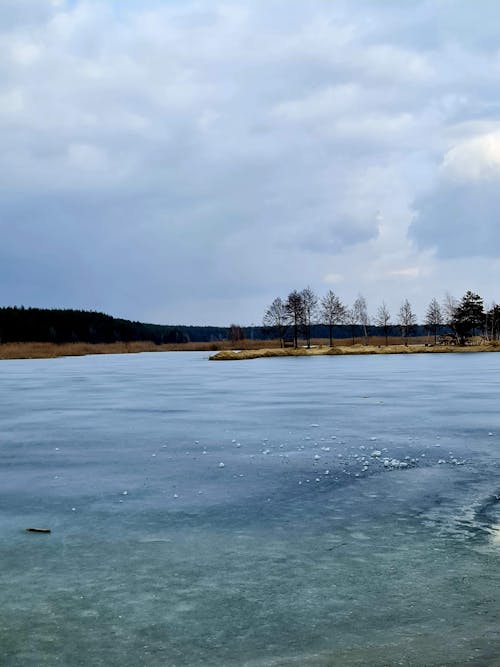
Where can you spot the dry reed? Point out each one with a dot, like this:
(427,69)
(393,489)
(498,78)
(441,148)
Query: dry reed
(229,355)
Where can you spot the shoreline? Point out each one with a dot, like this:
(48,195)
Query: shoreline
(232,355)
(57,350)
(222,351)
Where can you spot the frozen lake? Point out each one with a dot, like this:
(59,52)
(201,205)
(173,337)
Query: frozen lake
(285,511)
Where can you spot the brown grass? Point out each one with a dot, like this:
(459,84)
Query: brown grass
(229,355)
(51,350)
(269,352)
(250,349)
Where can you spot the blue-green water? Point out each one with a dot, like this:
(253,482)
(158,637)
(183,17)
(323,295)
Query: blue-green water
(300,511)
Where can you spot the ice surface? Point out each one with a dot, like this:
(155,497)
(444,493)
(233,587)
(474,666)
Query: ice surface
(294,553)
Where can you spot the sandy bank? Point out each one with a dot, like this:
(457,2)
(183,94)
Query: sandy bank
(231,355)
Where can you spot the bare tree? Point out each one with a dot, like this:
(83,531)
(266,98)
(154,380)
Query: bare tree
(449,306)
(407,320)
(276,319)
(361,313)
(295,309)
(310,308)
(383,320)
(433,318)
(332,312)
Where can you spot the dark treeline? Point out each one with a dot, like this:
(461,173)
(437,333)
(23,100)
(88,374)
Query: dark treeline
(80,326)
(342,332)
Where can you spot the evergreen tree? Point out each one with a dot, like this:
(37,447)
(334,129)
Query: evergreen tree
(468,316)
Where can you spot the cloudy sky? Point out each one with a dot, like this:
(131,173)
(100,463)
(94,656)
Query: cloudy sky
(186,162)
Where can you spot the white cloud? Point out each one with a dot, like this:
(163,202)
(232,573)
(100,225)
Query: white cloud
(473,159)
(458,215)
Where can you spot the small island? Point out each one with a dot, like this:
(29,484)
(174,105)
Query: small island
(419,348)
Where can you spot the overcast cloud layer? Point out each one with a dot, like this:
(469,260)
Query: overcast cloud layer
(186,162)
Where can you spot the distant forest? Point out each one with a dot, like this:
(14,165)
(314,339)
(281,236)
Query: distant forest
(19,324)
(81,326)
